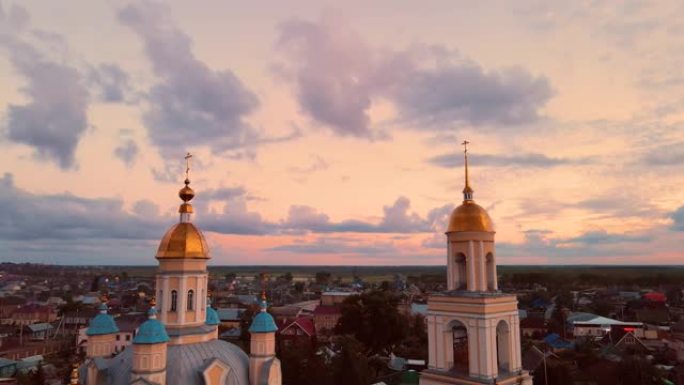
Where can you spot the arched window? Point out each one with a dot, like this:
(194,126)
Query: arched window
(174,299)
(191,294)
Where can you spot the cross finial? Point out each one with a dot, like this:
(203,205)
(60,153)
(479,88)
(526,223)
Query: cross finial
(188,156)
(467,190)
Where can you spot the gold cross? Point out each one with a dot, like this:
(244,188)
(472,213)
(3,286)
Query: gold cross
(188,156)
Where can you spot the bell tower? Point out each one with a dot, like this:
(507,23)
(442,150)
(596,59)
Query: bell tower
(473,328)
(182,277)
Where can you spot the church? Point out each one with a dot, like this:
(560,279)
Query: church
(178,344)
(473,328)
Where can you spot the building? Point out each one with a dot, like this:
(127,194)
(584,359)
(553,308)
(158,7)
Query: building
(595,326)
(473,328)
(178,344)
(334,298)
(325,318)
(34,313)
(298,332)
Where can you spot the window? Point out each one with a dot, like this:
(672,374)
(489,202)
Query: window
(174,299)
(190,298)
(128,337)
(118,337)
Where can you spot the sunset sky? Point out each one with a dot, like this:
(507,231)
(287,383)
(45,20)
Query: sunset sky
(328,132)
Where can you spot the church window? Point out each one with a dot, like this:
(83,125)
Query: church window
(174,299)
(191,294)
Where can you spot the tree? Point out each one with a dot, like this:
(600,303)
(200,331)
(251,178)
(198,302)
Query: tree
(323,277)
(350,365)
(374,320)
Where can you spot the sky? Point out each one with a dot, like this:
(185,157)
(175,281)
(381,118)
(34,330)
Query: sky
(329,133)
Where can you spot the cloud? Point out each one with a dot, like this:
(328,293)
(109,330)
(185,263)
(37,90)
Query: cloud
(526,160)
(338,246)
(437,91)
(678,218)
(54,118)
(667,155)
(127,151)
(224,193)
(338,77)
(191,104)
(595,243)
(110,83)
(396,219)
(31,217)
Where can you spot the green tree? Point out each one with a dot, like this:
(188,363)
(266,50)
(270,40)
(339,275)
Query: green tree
(350,365)
(374,320)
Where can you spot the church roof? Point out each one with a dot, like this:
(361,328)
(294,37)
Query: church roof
(103,323)
(184,364)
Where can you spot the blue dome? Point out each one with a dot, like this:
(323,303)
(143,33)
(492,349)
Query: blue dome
(151,332)
(212,317)
(263,323)
(102,323)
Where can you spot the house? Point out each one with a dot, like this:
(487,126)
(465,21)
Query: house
(38,331)
(326,318)
(534,327)
(79,317)
(7,367)
(298,332)
(534,358)
(30,314)
(286,314)
(29,364)
(592,325)
(332,298)
(230,317)
(10,304)
(556,343)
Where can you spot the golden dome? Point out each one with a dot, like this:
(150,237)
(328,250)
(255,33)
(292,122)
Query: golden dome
(470,217)
(183,240)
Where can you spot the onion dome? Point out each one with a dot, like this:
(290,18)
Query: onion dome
(212,315)
(263,322)
(469,216)
(102,323)
(151,331)
(184,240)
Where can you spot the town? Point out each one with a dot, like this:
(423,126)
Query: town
(579,325)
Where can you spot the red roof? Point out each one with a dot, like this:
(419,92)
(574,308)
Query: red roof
(655,296)
(325,310)
(304,323)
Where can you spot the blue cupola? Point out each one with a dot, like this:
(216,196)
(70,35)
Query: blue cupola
(263,322)
(212,315)
(151,331)
(102,323)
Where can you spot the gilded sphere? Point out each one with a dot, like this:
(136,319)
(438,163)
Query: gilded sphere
(470,217)
(186,194)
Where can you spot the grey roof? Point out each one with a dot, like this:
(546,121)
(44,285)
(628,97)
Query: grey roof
(184,363)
